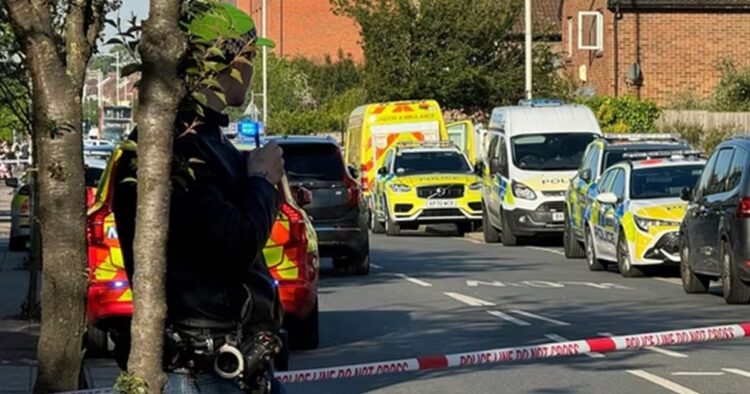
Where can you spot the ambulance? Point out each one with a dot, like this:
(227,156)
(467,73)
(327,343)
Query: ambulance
(531,152)
(374,128)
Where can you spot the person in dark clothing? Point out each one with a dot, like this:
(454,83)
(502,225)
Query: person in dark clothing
(223,205)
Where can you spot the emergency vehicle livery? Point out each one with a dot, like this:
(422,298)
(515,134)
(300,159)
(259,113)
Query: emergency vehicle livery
(531,152)
(374,128)
(291,255)
(426,183)
(635,216)
(601,154)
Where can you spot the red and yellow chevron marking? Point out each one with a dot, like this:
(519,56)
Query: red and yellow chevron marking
(277,257)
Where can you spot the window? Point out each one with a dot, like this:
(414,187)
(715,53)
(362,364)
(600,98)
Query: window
(492,150)
(590,31)
(618,184)
(702,185)
(429,162)
(310,162)
(388,162)
(605,182)
(739,162)
(718,180)
(549,151)
(502,154)
(663,182)
(593,163)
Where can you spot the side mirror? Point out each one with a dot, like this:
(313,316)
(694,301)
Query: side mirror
(607,198)
(686,194)
(382,171)
(479,168)
(352,172)
(303,196)
(585,175)
(11,182)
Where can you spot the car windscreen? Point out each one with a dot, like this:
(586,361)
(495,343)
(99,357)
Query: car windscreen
(313,162)
(428,162)
(92,176)
(613,157)
(663,182)
(550,151)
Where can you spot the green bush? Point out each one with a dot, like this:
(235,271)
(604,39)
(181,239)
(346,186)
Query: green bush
(302,122)
(733,91)
(623,114)
(700,137)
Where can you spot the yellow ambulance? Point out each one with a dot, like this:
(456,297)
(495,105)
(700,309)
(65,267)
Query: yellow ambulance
(374,128)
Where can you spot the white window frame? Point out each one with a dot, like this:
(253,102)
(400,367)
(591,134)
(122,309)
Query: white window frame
(599,31)
(570,36)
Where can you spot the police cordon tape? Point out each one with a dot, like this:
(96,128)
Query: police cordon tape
(511,354)
(523,353)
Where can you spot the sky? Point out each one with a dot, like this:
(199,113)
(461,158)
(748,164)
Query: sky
(129,7)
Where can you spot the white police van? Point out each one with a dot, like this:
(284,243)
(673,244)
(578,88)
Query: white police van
(531,152)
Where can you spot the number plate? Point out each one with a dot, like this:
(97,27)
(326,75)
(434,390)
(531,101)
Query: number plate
(441,203)
(558,216)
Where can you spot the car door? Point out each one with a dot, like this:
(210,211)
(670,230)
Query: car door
(607,222)
(695,213)
(593,213)
(714,200)
(736,193)
(491,187)
(379,186)
(581,192)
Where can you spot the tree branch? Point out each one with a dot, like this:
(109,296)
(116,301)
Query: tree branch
(76,41)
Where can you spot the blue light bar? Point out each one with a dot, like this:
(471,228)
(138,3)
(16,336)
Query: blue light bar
(541,102)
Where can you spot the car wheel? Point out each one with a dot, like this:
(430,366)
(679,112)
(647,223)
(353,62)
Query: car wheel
(691,282)
(623,259)
(304,334)
(571,246)
(97,342)
(490,233)
(509,239)
(375,226)
(593,262)
(392,228)
(734,290)
(360,264)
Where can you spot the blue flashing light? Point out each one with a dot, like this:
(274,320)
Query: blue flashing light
(250,129)
(118,284)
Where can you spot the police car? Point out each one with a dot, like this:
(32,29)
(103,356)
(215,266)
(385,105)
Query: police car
(426,183)
(635,216)
(600,155)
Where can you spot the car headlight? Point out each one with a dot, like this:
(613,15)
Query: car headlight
(645,224)
(475,186)
(399,188)
(522,191)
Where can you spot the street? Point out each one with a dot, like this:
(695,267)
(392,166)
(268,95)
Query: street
(432,295)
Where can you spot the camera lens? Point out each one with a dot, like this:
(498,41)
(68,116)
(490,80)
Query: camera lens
(228,363)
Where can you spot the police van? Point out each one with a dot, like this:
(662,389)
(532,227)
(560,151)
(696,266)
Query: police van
(531,152)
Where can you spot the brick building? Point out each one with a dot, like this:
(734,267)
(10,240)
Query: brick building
(655,49)
(306,28)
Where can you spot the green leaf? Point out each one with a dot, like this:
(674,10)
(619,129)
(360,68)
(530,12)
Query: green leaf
(213,83)
(236,75)
(129,180)
(196,160)
(115,41)
(214,51)
(200,97)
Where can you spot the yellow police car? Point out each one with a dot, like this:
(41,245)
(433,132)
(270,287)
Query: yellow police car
(426,183)
(634,218)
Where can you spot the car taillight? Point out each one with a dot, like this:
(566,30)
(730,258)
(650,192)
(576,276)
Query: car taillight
(353,190)
(24,208)
(95,227)
(743,210)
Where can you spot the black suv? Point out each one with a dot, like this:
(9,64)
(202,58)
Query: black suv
(338,211)
(715,234)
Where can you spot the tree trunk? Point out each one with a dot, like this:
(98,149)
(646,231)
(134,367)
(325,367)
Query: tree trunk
(162,46)
(61,215)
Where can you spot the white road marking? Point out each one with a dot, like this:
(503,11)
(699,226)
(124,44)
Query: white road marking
(375,266)
(509,318)
(697,373)
(413,280)
(659,381)
(665,352)
(674,281)
(553,251)
(472,240)
(737,372)
(533,316)
(471,301)
(558,338)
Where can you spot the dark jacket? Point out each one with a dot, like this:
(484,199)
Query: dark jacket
(220,221)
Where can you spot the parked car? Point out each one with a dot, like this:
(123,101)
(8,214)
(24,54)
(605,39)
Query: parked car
(715,235)
(338,211)
(634,218)
(426,183)
(601,154)
(530,153)
(20,206)
(291,254)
